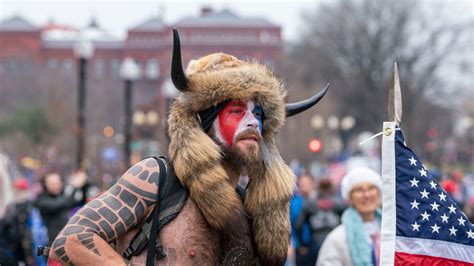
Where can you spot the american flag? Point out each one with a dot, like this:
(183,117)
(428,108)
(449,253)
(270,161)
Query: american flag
(337,172)
(421,223)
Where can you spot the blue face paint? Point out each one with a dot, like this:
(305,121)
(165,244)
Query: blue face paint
(258,113)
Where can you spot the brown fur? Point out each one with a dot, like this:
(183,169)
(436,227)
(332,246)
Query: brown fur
(197,158)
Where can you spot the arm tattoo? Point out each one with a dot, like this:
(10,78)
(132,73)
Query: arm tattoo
(144,194)
(88,241)
(113,213)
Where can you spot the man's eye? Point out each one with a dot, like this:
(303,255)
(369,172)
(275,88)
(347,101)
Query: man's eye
(257,114)
(236,111)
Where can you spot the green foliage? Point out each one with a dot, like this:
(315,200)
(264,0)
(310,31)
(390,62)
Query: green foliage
(31,121)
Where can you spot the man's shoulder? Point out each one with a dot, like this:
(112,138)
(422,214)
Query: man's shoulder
(148,163)
(147,169)
(141,179)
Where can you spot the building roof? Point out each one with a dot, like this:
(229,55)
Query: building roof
(64,34)
(223,18)
(152,24)
(17,23)
(54,26)
(54,31)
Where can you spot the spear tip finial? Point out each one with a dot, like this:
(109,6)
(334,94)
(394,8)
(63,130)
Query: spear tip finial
(395,97)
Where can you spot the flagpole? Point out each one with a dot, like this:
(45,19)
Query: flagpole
(389,210)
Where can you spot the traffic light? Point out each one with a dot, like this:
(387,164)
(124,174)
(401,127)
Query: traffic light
(315,145)
(432,133)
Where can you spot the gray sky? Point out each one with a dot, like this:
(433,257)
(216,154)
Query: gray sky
(117,16)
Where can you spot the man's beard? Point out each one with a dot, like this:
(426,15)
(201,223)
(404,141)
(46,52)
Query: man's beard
(250,164)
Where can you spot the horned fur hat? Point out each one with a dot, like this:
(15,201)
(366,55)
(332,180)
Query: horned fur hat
(197,158)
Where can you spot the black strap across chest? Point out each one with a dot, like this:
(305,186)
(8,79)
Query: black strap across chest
(150,256)
(171,197)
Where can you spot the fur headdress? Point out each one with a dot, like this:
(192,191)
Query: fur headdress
(197,158)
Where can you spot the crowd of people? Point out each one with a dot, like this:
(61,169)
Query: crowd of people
(53,203)
(327,218)
(339,224)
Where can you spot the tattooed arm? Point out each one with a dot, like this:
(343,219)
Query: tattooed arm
(86,237)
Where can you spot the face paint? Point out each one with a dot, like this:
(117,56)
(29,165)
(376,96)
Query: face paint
(235,117)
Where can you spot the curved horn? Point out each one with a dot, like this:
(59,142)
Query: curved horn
(177,74)
(296,108)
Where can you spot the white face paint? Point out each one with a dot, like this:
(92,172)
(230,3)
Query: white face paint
(236,117)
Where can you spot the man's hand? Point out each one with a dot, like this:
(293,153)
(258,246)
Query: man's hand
(79,179)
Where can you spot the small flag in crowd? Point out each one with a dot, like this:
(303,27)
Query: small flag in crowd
(337,171)
(421,223)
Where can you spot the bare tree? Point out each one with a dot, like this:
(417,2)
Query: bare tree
(353,44)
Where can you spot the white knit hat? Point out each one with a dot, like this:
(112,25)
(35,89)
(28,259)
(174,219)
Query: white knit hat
(359,175)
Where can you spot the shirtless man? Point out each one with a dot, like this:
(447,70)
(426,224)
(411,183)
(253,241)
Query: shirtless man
(222,126)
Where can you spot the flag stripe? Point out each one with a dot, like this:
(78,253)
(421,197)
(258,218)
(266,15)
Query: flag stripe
(445,249)
(388,227)
(403,259)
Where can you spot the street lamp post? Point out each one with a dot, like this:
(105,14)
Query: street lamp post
(317,123)
(170,92)
(347,123)
(129,72)
(83,50)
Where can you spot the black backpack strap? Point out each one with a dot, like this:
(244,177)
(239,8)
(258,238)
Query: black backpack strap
(171,199)
(151,250)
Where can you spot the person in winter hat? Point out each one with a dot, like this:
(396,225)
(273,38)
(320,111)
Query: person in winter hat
(221,126)
(357,240)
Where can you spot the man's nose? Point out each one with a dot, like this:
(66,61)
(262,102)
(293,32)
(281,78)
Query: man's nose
(252,121)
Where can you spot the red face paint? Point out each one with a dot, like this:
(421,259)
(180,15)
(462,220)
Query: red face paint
(235,117)
(229,119)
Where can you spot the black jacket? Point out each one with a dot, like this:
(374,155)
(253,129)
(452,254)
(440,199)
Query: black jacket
(320,221)
(54,210)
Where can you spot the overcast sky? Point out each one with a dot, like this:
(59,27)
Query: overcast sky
(117,16)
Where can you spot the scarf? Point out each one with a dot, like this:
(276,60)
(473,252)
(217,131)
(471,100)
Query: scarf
(359,246)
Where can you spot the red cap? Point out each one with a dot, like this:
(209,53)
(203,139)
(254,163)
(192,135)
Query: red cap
(20,184)
(449,186)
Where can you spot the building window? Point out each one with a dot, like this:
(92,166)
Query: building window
(10,65)
(140,66)
(67,65)
(114,68)
(52,63)
(98,68)
(152,69)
